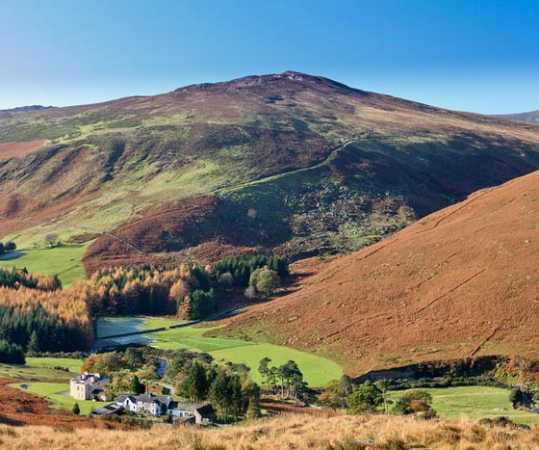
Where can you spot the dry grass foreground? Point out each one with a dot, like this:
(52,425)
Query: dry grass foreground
(286,432)
(461,282)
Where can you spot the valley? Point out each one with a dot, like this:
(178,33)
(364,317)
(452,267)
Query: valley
(263,246)
(317,371)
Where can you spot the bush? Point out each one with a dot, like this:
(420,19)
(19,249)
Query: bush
(364,398)
(415,402)
(265,280)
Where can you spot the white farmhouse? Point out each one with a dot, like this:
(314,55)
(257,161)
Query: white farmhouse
(88,386)
(154,405)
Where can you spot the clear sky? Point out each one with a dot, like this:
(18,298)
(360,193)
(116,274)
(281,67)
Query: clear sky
(474,55)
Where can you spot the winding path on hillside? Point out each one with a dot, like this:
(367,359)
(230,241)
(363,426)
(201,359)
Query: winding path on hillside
(331,156)
(226,190)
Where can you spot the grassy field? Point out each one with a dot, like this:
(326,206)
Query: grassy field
(62,261)
(474,402)
(318,371)
(26,373)
(58,395)
(40,377)
(72,364)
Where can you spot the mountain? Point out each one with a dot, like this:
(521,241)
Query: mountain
(28,108)
(528,117)
(292,162)
(461,282)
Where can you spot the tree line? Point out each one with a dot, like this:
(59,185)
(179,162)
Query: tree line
(287,379)
(189,291)
(7,247)
(34,330)
(17,278)
(39,316)
(372,397)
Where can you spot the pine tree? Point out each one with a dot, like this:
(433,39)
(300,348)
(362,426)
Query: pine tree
(195,387)
(220,395)
(253,393)
(136,386)
(76,409)
(33,344)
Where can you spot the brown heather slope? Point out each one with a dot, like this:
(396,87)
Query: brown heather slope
(463,281)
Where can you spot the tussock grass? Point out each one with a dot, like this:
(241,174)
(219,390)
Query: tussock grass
(287,432)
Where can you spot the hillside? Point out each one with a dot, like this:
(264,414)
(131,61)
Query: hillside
(292,432)
(291,162)
(461,282)
(528,117)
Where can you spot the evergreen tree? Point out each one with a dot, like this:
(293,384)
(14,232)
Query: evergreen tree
(264,369)
(76,409)
(195,387)
(136,386)
(33,344)
(221,396)
(252,392)
(365,398)
(11,353)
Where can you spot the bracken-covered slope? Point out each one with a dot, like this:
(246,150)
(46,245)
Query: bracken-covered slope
(293,162)
(461,282)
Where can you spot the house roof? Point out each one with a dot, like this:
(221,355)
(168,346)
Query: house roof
(90,378)
(151,398)
(192,407)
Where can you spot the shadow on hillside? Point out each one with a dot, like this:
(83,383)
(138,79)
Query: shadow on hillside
(12,255)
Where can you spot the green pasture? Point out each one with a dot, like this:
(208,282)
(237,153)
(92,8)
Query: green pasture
(58,395)
(62,261)
(318,371)
(39,377)
(474,403)
(72,364)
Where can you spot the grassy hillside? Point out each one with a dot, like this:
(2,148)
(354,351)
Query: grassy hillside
(459,283)
(474,403)
(296,163)
(298,432)
(62,261)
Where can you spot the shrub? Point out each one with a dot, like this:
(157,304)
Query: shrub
(364,398)
(265,280)
(415,402)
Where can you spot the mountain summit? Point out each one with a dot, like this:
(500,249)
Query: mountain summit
(295,163)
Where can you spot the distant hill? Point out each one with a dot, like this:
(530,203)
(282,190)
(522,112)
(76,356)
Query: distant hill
(528,117)
(461,282)
(29,108)
(292,162)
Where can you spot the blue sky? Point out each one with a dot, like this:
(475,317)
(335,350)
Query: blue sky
(480,55)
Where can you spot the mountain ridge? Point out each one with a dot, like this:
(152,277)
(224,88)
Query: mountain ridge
(262,145)
(531,117)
